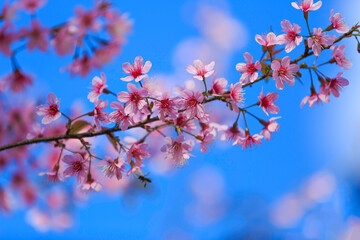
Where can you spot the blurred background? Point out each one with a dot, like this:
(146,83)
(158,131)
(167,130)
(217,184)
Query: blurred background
(303,184)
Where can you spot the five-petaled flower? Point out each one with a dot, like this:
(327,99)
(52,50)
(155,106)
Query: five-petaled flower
(76,165)
(319,40)
(338,23)
(340,59)
(99,85)
(249,140)
(267,40)
(306,6)
(137,70)
(284,71)
(178,150)
(135,99)
(113,167)
(248,69)
(291,38)
(314,97)
(267,102)
(51,111)
(199,70)
(269,127)
(119,116)
(236,95)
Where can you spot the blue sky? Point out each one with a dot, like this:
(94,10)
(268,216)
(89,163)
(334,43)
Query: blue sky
(310,139)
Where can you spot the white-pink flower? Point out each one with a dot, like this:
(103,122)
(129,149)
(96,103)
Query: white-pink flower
(99,115)
(248,69)
(90,185)
(178,149)
(206,139)
(319,40)
(267,102)
(291,38)
(338,23)
(37,35)
(120,116)
(76,165)
(219,86)
(236,95)
(166,106)
(99,85)
(249,140)
(137,70)
(307,5)
(199,70)
(135,99)
(284,72)
(335,84)
(270,127)
(113,167)
(191,102)
(266,40)
(138,152)
(51,111)
(338,55)
(314,97)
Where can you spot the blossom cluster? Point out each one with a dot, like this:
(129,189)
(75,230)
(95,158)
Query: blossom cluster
(93,36)
(172,123)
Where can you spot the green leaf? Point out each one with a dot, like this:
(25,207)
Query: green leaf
(77,126)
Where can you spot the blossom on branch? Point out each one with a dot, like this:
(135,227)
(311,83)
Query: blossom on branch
(51,111)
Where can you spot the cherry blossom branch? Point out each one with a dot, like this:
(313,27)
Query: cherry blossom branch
(220,97)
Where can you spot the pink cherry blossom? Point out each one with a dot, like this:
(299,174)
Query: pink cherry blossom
(232,134)
(86,20)
(249,140)
(138,152)
(319,40)
(338,55)
(184,122)
(284,72)
(269,128)
(118,25)
(338,23)
(135,99)
(307,5)
(120,116)
(65,39)
(178,149)
(105,53)
(199,70)
(266,40)
(90,185)
(35,132)
(51,111)
(76,165)
(166,106)
(291,38)
(99,115)
(137,70)
(335,84)
(267,102)
(99,85)
(6,38)
(8,11)
(38,36)
(113,167)
(249,69)
(191,101)
(206,139)
(314,98)
(17,81)
(219,85)
(236,95)
(31,5)
(80,66)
